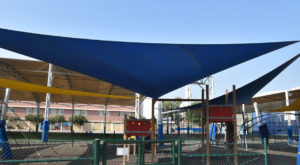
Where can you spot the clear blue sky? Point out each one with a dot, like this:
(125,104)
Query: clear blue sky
(172,22)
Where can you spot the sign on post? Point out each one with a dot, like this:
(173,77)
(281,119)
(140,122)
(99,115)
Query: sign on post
(122,151)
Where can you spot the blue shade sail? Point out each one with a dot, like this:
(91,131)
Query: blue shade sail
(245,93)
(150,69)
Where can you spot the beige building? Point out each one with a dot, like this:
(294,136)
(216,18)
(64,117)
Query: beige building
(95,114)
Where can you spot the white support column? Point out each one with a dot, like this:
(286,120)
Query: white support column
(137,106)
(287,103)
(47,106)
(48,95)
(5,104)
(212,90)
(257,114)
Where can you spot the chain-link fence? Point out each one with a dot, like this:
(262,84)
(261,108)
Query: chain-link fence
(194,152)
(116,152)
(40,152)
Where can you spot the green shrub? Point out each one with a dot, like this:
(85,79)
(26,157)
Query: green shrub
(57,119)
(78,119)
(14,118)
(34,118)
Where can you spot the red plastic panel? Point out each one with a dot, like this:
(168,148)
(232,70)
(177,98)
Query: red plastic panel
(138,128)
(221,114)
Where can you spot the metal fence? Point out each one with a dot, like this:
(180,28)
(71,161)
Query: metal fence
(38,152)
(192,152)
(116,152)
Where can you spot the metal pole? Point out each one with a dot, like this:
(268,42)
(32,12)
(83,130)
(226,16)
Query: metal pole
(105,119)
(179,143)
(5,104)
(168,124)
(207,125)
(137,106)
(188,126)
(256,113)
(6,151)
(47,106)
(266,151)
(235,125)
(153,132)
(244,129)
(160,123)
(202,123)
(96,149)
(72,126)
(290,127)
(38,117)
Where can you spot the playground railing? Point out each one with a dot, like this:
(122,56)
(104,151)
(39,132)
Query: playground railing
(139,152)
(34,152)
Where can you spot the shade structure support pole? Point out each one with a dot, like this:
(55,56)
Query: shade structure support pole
(290,127)
(47,106)
(235,125)
(160,123)
(72,128)
(244,129)
(257,114)
(137,106)
(5,103)
(153,145)
(178,124)
(207,125)
(228,138)
(6,151)
(105,112)
(38,116)
(202,125)
(188,126)
(168,115)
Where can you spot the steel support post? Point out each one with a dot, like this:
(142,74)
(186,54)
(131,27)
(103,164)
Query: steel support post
(47,106)
(7,154)
(160,123)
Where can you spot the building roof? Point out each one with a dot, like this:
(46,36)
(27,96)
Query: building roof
(68,106)
(36,72)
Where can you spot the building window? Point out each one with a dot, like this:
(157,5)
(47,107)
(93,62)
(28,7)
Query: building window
(35,111)
(53,111)
(100,113)
(10,109)
(122,114)
(84,113)
(61,112)
(76,112)
(29,110)
(107,113)
(128,113)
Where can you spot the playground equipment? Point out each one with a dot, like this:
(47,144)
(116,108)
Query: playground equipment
(141,128)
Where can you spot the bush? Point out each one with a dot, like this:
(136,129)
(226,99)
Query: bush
(14,118)
(34,118)
(80,120)
(57,119)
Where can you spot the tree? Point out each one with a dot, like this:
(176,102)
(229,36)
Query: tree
(34,118)
(169,105)
(57,119)
(14,118)
(194,118)
(78,119)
